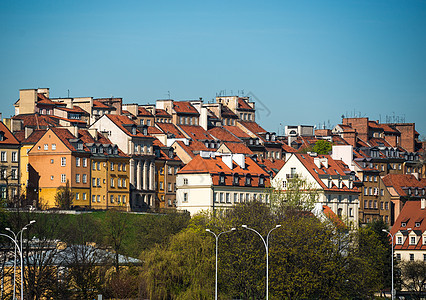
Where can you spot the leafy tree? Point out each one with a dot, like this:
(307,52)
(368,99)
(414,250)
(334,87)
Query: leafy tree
(64,196)
(322,147)
(299,195)
(115,229)
(413,275)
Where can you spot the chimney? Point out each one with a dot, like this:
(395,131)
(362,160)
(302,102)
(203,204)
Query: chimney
(94,133)
(324,162)
(416,175)
(240,160)
(291,139)
(227,159)
(423,203)
(28,131)
(203,118)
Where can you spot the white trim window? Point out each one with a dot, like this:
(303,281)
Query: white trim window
(77,178)
(14,156)
(4,156)
(63,178)
(63,161)
(77,161)
(84,162)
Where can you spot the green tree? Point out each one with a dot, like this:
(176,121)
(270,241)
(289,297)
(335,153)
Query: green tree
(64,197)
(413,276)
(115,230)
(299,195)
(322,147)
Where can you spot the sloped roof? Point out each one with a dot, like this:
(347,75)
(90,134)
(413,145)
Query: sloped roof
(97,104)
(329,213)
(196,132)
(170,128)
(42,99)
(242,104)
(222,134)
(401,181)
(37,121)
(162,113)
(226,112)
(184,107)
(143,112)
(236,131)
(8,137)
(411,214)
(33,138)
(121,121)
(238,148)
(252,126)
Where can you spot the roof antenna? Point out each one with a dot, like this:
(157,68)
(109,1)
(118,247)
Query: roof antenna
(168,92)
(68,93)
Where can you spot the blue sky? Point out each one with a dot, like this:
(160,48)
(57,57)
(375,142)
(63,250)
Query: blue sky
(305,62)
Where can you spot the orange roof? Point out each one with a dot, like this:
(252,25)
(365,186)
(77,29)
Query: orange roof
(226,112)
(253,127)
(334,168)
(97,104)
(184,107)
(154,130)
(376,142)
(170,129)
(37,121)
(238,148)
(411,214)
(143,112)
(222,134)
(121,121)
(236,131)
(196,132)
(242,104)
(286,148)
(216,166)
(42,99)
(32,138)
(163,156)
(273,166)
(161,113)
(76,109)
(8,137)
(329,213)
(400,182)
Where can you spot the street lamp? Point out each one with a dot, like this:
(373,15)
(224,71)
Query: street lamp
(217,239)
(392,236)
(15,240)
(267,252)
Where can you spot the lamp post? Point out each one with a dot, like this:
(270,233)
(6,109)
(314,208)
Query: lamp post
(217,239)
(15,240)
(392,236)
(266,243)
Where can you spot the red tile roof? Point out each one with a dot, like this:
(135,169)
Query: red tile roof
(161,113)
(272,165)
(76,109)
(184,107)
(154,130)
(8,137)
(121,121)
(222,134)
(98,104)
(287,149)
(227,113)
(333,217)
(143,112)
(238,148)
(216,166)
(33,138)
(242,104)
(334,168)
(411,214)
(196,132)
(37,121)
(169,129)
(401,181)
(237,132)
(253,127)
(376,142)
(42,99)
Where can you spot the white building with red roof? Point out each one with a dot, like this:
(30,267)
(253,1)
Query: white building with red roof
(213,181)
(332,178)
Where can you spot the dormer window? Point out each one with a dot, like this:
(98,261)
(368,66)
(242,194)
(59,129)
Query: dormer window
(171,153)
(236,179)
(251,142)
(412,240)
(101,149)
(1,136)
(417,224)
(94,149)
(115,150)
(273,137)
(267,137)
(399,240)
(145,130)
(134,130)
(403,224)
(248,179)
(221,178)
(157,153)
(80,146)
(409,191)
(109,150)
(261,180)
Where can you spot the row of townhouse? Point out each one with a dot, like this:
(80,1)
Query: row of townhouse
(159,139)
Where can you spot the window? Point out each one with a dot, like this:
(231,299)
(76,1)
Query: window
(284,184)
(185,197)
(381,205)
(228,198)
(370,191)
(124,199)
(399,240)
(411,256)
(119,182)
(261,180)
(235,197)
(77,196)
(14,156)
(340,198)
(424,257)
(98,181)
(63,178)
(46,147)
(84,162)
(215,197)
(84,178)
(124,169)
(236,179)
(52,177)
(221,200)
(112,182)
(221,178)
(93,181)
(98,198)
(351,212)
(77,161)
(53,146)
(84,196)
(77,178)
(93,198)
(111,199)
(386,205)
(398,256)
(248,179)
(170,170)
(119,199)
(99,166)
(382,192)
(403,224)
(3,156)
(119,167)
(112,166)
(412,240)
(161,185)
(63,161)
(365,191)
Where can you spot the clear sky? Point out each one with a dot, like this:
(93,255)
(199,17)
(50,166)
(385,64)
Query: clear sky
(305,62)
